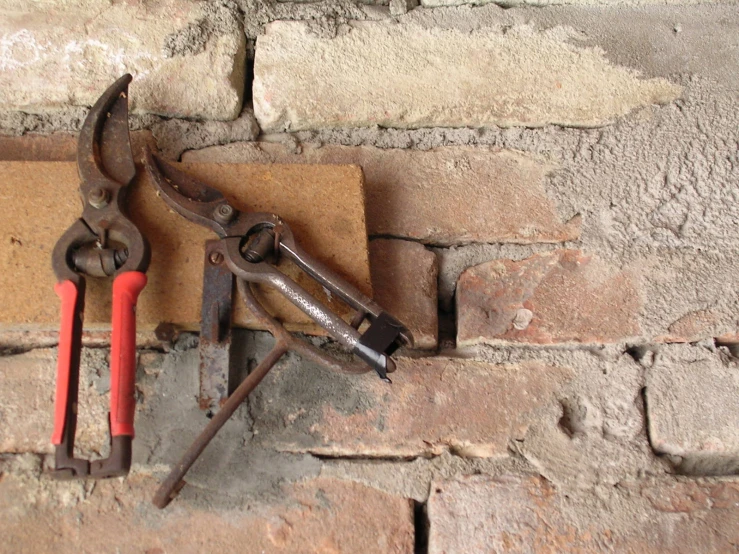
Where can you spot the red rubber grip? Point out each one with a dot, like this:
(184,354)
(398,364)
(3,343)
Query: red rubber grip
(67,292)
(126,289)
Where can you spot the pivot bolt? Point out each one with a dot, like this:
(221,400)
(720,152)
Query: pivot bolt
(224,213)
(215,258)
(98,197)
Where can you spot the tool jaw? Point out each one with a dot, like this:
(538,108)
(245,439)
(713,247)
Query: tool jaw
(103,242)
(189,197)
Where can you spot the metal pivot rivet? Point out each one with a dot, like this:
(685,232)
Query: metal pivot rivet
(215,258)
(98,197)
(224,213)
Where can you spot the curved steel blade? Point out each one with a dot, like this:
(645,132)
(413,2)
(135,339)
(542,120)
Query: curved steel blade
(104,156)
(189,197)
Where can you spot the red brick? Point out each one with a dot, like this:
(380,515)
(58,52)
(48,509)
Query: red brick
(321,515)
(472,408)
(444,196)
(553,297)
(693,408)
(404,281)
(529,515)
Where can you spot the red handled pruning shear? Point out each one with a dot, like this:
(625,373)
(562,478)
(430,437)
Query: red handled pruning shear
(102,243)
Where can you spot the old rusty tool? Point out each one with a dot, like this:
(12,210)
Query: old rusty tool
(249,244)
(102,243)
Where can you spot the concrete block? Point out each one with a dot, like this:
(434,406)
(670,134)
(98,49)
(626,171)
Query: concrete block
(529,515)
(553,297)
(434,404)
(53,59)
(693,409)
(442,196)
(414,76)
(404,283)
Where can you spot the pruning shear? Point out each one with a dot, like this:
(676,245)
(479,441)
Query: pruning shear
(248,245)
(102,243)
(250,240)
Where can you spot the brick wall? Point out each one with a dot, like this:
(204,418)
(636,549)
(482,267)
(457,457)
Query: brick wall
(552,202)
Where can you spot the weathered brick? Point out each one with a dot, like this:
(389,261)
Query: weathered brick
(693,407)
(414,76)
(86,47)
(27,387)
(472,408)
(529,515)
(404,283)
(553,297)
(444,196)
(321,515)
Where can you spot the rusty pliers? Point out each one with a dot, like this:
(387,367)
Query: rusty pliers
(102,243)
(249,240)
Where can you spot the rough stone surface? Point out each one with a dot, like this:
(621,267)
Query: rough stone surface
(434,404)
(404,283)
(38,514)
(27,385)
(528,515)
(553,297)
(513,77)
(86,54)
(693,405)
(443,196)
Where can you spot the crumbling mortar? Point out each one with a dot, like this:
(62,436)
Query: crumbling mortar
(222,17)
